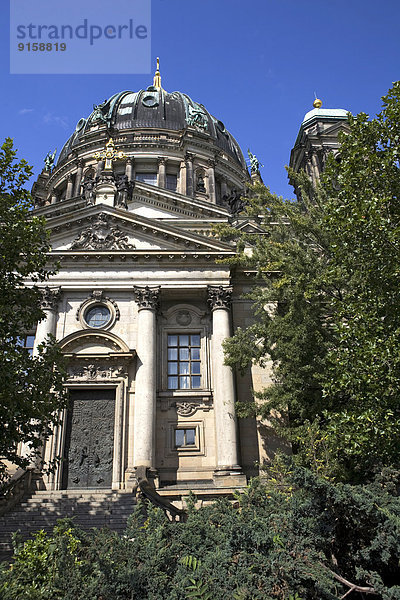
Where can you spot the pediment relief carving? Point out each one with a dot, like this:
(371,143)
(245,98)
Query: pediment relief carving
(105,231)
(102,234)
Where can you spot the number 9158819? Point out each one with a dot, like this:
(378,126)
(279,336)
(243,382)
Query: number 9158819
(42,47)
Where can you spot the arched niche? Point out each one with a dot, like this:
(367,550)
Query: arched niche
(94,343)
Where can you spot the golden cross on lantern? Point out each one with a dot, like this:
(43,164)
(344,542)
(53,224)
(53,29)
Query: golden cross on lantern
(109,154)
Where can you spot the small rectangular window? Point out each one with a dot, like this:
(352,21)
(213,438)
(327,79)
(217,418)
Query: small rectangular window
(184,362)
(149,178)
(185,438)
(170,182)
(27,342)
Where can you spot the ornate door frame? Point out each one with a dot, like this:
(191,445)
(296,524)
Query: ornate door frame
(87,370)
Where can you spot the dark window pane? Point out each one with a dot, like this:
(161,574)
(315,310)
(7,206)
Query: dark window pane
(183,368)
(184,383)
(170,182)
(183,353)
(150,178)
(29,341)
(172,353)
(172,383)
(196,368)
(172,368)
(195,340)
(172,340)
(184,340)
(190,437)
(195,353)
(196,381)
(179,437)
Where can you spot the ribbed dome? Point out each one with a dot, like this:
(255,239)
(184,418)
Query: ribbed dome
(156,109)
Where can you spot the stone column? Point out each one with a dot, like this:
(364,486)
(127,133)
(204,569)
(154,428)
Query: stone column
(211,180)
(145,396)
(70,187)
(228,471)
(161,179)
(49,304)
(53,199)
(182,177)
(78,179)
(129,169)
(315,167)
(189,174)
(50,300)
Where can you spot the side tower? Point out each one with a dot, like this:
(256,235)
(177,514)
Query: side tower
(317,137)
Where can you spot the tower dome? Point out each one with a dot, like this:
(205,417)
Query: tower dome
(154,108)
(156,138)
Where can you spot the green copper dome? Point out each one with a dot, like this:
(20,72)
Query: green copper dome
(154,108)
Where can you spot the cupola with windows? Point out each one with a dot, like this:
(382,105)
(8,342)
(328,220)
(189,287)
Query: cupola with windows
(158,138)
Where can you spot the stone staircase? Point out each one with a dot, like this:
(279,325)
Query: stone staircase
(90,508)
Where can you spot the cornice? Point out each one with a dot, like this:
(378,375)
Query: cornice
(153,257)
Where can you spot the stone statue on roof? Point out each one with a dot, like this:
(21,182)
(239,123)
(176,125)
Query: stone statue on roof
(254,162)
(49,160)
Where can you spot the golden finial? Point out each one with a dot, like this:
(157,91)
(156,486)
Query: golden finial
(317,103)
(157,76)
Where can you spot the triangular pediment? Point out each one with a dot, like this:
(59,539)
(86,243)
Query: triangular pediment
(249,226)
(102,228)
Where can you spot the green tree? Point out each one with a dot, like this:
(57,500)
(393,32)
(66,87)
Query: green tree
(330,264)
(30,387)
(297,537)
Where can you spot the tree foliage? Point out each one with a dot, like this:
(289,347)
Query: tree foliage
(30,387)
(329,263)
(296,537)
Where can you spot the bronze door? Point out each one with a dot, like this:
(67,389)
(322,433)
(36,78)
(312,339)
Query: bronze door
(89,443)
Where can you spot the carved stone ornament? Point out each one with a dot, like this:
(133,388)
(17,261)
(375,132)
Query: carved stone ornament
(94,371)
(50,298)
(185,409)
(219,296)
(102,235)
(147,297)
(183,318)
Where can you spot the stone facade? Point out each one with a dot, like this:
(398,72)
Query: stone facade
(141,303)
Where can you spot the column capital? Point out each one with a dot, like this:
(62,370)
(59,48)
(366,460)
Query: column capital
(189,157)
(162,160)
(219,296)
(79,162)
(50,298)
(147,297)
(211,162)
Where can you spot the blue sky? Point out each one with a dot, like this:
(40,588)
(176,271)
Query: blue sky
(255,65)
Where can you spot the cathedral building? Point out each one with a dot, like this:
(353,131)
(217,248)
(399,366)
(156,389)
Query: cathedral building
(142,301)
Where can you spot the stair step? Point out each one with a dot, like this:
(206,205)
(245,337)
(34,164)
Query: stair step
(88,509)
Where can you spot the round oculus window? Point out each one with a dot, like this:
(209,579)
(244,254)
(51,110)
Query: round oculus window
(98,316)
(150,101)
